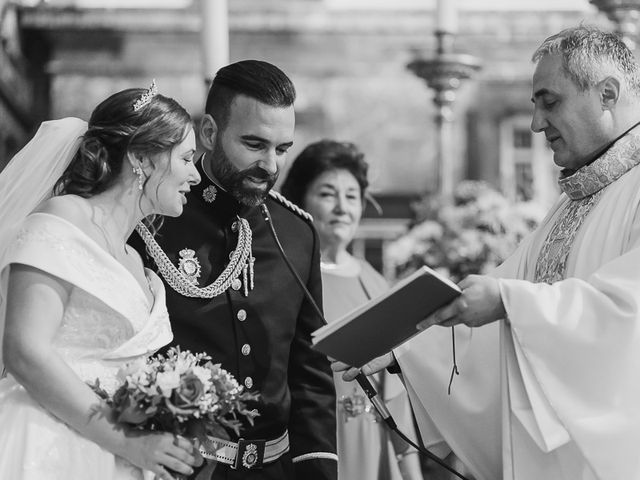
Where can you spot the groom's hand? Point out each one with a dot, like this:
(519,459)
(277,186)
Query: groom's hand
(374,366)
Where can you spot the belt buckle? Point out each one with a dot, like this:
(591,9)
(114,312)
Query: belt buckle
(250,454)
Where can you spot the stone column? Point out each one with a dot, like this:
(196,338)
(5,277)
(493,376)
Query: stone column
(214,37)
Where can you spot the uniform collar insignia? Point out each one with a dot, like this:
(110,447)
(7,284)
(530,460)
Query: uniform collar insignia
(209,193)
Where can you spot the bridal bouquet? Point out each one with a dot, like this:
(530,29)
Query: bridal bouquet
(181,393)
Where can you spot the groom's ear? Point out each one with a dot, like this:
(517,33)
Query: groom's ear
(207,132)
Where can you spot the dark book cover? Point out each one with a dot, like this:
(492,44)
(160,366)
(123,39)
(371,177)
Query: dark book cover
(385,322)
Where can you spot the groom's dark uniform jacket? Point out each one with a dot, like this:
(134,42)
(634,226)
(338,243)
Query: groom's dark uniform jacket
(263,339)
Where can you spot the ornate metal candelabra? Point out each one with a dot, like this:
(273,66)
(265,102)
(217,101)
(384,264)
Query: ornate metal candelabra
(444,74)
(625,14)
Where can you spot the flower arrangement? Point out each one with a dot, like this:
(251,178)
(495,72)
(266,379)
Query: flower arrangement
(472,233)
(179,392)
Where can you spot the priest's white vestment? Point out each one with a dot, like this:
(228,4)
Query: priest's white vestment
(552,391)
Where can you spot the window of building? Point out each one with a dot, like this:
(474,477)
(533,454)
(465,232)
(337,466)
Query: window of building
(527,171)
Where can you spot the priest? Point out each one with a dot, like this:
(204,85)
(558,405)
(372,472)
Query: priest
(548,345)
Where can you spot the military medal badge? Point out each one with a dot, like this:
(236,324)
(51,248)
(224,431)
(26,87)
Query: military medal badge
(189,265)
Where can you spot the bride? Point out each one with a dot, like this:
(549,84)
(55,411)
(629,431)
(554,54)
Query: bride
(76,302)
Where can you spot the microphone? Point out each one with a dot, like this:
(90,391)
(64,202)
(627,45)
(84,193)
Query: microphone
(361,378)
(375,400)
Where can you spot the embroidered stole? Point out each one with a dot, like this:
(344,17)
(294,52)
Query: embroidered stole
(584,188)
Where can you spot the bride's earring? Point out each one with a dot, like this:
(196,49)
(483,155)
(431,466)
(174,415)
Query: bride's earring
(138,171)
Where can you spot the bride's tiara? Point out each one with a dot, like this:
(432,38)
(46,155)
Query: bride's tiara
(146,97)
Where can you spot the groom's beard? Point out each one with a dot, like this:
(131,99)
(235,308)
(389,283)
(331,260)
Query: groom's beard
(238,182)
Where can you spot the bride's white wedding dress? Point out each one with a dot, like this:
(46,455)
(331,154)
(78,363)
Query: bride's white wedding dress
(107,322)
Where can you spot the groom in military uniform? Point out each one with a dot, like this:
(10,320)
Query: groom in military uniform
(231,293)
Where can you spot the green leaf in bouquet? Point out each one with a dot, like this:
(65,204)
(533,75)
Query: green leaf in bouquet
(101,392)
(130,411)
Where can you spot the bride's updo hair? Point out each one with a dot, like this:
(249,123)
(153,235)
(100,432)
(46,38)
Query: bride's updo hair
(116,128)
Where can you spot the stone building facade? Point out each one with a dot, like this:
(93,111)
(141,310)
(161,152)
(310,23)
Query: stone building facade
(348,59)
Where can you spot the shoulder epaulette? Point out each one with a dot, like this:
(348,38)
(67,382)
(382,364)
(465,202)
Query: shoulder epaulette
(281,199)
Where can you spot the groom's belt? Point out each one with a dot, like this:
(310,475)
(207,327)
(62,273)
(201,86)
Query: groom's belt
(247,454)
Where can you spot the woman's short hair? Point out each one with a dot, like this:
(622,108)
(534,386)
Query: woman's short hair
(116,128)
(318,158)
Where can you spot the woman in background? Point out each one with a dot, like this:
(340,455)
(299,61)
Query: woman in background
(329,180)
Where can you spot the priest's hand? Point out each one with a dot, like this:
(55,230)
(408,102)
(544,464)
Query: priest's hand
(479,304)
(374,366)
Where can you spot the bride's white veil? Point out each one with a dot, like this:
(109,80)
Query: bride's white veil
(27,181)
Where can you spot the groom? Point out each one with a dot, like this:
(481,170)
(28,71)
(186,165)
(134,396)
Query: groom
(239,301)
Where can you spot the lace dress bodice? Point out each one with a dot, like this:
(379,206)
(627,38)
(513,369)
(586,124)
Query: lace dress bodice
(95,341)
(107,320)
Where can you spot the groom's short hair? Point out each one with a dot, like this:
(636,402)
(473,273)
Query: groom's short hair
(256,79)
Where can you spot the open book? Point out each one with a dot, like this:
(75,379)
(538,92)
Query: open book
(385,322)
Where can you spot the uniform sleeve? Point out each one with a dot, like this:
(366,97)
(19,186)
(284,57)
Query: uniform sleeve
(312,427)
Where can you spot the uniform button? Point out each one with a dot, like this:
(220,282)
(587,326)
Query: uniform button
(234,226)
(246,349)
(236,284)
(241,315)
(248,382)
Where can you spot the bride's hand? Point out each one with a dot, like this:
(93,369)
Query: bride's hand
(160,452)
